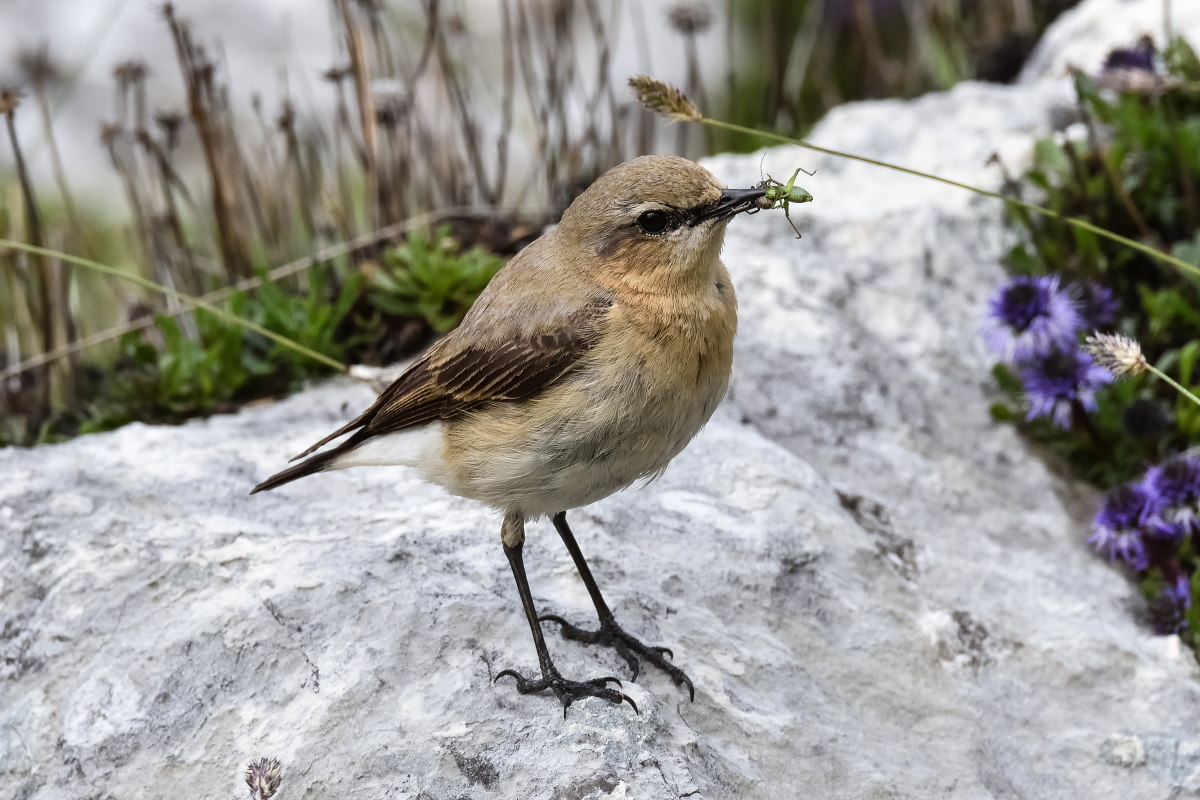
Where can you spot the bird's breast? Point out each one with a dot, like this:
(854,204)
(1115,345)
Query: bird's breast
(654,378)
(669,353)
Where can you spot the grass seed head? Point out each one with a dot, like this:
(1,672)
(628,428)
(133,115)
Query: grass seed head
(263,778)
(665,99)
(1118,354)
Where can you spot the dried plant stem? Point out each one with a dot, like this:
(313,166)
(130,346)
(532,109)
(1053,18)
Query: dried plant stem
(1076,222)
(359,70)
(206,103)
(60,174)
(506,104)
(692,84)
(864,18)
(33,228)
(63,276)
(96,266)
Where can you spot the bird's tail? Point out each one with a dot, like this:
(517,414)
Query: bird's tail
(318,463)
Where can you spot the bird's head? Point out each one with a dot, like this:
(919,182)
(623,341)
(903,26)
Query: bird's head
(654,218)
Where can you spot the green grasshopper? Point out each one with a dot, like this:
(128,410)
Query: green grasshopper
(780,194)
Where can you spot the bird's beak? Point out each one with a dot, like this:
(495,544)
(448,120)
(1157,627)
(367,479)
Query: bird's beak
(732,202)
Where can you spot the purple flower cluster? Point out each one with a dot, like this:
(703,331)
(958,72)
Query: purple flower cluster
(1152,525)
(1175,487)
(1035,322)
(1030,316)
(1142,56)
(1146,524)
(1170,607)
(1120,528)
(1056,380)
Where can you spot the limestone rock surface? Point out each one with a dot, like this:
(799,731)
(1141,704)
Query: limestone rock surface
(1083,36)
(878,592)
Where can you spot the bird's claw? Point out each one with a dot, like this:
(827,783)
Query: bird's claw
(569,691)
(571,632)
(627,646)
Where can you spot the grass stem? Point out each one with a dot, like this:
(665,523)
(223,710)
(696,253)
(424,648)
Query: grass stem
(1076,222)
(217,311)
(1173,383)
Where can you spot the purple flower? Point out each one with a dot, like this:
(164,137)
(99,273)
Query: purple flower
(1169,608)
(1175,489)
(1029,316)
(1096,304)
(1117,529)
(1138,57)
(1058,378)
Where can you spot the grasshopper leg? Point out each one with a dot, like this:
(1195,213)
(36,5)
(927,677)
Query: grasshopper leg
(787,213)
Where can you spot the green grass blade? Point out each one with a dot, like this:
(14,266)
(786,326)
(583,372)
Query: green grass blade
(96,266)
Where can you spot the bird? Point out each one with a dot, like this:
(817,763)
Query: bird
(588,362)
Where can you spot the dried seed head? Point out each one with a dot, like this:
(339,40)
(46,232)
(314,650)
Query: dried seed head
(128,73)
(1118,354)
(665,99)
(109,133)
(170,122)
(455,24)
(286,120)
(690,18)
(37,66)
(337,74)
(9,100)
(390,101)
(263,777)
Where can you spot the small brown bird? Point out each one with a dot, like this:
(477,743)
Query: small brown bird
(590,360)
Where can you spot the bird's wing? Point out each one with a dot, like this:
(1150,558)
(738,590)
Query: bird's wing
(453,379)
(458,374)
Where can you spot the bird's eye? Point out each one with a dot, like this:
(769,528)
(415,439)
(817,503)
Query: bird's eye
(653,222)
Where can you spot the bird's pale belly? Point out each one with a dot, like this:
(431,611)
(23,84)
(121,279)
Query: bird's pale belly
(598,431)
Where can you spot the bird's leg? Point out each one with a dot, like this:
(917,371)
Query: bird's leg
(610,633)
(512,536)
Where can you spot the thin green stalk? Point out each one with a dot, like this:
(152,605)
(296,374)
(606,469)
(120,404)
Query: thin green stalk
(1156,254)
(194,301)
(1174,383)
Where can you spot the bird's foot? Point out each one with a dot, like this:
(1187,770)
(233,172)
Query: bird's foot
(627,646)
(569,691)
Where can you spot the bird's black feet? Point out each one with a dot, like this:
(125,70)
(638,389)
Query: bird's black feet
(627,646)
(569,691)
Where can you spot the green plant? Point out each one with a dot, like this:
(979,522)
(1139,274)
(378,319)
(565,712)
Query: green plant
(1122,422)
(431,277)
(1135,172)
(314,319)
(186,367)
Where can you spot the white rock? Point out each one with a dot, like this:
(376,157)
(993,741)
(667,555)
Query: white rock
(1083,36)
(1125,751)
(878,591)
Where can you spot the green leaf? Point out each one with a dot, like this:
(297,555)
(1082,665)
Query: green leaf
(1008,382)
(428,277)
(1001,413)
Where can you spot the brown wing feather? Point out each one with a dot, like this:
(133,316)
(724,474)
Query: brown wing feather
(451,384)
(449,380)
